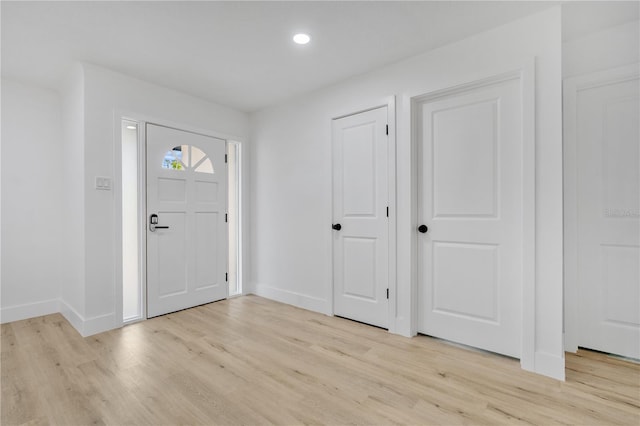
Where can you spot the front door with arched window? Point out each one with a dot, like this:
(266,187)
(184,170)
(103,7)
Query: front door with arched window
(186,220)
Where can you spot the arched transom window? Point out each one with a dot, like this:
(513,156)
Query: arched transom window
(185,157)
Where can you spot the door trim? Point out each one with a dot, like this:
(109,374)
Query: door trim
(390,104)
(571,87)
(526,75)
(142,120)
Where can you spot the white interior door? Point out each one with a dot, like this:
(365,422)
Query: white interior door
(187,198)
(360,213)
(470,201)
(608,207)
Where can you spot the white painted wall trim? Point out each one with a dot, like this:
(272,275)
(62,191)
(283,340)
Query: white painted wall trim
(74,318)
(293,298)
(29,310)
(88,326)
(528,85)
(549,365)
(571,87)
(99,324)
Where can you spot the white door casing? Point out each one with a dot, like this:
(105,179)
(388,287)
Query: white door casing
(360,207)
(470,196)
(187,190)
(603,211)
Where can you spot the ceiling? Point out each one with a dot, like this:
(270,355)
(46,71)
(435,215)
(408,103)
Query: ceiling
(236,53)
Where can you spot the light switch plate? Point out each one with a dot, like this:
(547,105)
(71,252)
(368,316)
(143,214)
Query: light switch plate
(103,183)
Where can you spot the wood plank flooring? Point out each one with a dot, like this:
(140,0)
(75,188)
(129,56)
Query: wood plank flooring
(253,361)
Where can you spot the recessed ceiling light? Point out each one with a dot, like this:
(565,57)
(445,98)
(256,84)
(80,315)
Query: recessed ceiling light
(301,38)
(130,127)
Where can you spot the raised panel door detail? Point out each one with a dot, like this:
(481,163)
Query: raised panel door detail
(174,190)
(206,268)
(359,170)
(620,278)
(466,280)
(465,150)
(172,262)
(621,157)
(206,192)
(360,267)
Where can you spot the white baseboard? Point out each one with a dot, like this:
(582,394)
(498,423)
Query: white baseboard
(29,310)
(74,318)
(90,326)
(292,298)
(99,324)
(549,365)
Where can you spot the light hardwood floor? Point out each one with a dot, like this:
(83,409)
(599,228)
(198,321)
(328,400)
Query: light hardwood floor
(253,361)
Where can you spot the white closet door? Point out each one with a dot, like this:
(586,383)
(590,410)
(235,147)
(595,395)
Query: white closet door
(360,228)
(470,201)
(608,181)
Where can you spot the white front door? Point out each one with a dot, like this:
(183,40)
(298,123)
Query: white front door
(470,181)
(186,223)
(360,214)
(608,207)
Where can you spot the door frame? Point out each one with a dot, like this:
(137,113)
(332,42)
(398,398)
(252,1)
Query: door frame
(571,87)
(142,120)
(526,75)
(390,103)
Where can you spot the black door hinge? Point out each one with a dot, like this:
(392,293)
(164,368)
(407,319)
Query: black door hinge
(225,217)
(387,129)
(387,293)
(226,276)
(387,211)
(225,158)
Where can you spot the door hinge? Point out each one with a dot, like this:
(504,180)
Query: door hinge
(387,211)
(225,158)
(387,129)
(387,293)
(226,276)
(225,217)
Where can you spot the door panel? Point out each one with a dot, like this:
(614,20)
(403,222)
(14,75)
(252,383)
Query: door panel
(186,189)
(470,197)
(608,178)
(360,193)
(464,160)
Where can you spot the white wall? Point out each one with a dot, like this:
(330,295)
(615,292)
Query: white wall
(598,51)
(107,96)
(72,293)
(291,176)
(60,236)
(34,233)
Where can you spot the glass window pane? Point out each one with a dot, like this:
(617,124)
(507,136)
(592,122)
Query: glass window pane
(205,167)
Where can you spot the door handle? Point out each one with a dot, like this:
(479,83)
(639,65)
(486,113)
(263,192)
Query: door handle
(337,227)
(423,228)
(153,223)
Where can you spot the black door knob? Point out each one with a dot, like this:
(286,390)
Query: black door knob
(423,228)
(337,226)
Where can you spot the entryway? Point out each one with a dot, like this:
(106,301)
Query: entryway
(180,219)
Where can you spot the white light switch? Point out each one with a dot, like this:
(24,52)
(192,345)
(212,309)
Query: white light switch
(103,183)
